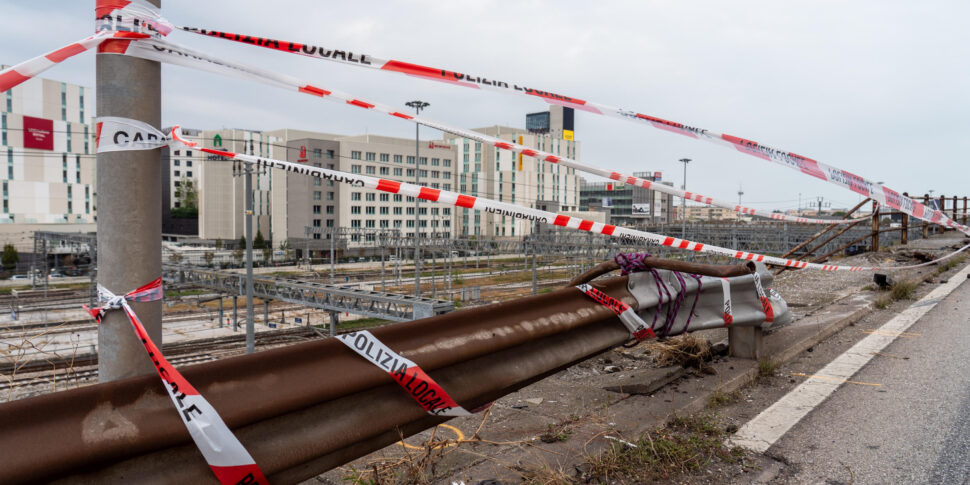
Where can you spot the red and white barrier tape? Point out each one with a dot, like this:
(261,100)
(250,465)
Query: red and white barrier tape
(728,307)
(492,206)
(226,456)
(514,211)
(132,16)
(418,384)
(14,75)
(843,178)
(637,327)
(763,297)
(161,50)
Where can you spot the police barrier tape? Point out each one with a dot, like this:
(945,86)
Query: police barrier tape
(501,208)
(728,307)
(881,194)
(843,178)
(15,75)
(161,50)
(637,327)
(419,385)
(130,15)
(226,456)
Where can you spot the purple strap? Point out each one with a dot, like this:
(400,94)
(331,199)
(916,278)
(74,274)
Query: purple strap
(634,263)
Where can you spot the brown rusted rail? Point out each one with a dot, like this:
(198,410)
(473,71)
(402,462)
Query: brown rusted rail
(718,270)
(303,409)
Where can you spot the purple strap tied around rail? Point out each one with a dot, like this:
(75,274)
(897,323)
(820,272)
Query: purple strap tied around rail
(635,263)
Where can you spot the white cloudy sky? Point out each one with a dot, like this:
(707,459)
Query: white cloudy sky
(876,88)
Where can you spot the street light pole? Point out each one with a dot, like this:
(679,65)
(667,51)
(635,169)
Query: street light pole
(418,106)
(740,193)
(683,207)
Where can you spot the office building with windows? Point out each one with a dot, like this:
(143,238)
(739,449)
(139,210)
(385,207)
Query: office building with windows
(501,175)
(629,206)
(47,160)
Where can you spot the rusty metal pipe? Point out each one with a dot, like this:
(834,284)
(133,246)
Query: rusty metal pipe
(290,451)
(716,270)
(50,435)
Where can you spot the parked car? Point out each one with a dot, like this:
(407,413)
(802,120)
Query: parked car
(20,277)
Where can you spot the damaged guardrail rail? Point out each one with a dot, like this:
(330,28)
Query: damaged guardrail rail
(304,409)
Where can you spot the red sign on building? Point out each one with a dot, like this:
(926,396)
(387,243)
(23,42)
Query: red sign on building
(38,133)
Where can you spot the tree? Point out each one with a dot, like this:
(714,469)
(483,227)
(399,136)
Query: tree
(258,241)
(241,244)
(267,253)
(175,257)
(285,247)
(208,257)
(219,243)
(10,257)
(238,254)
(187,197)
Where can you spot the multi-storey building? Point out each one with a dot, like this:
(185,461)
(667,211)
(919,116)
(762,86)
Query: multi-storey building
(709,213)
(508,177)
(286,203)
(222,199)
(47,160)
(628,205)
(394,158)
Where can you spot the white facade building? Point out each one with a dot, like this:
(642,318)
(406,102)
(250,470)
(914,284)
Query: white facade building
(47,160)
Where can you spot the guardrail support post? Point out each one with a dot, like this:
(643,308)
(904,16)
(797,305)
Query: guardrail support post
(129,213)
(954,208)
(746,342)
(926,227)
(904,222)
(943,210)
(964,210)
(875,226)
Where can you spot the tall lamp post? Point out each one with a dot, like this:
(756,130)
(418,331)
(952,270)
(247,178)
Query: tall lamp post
(418,106)
(683,207)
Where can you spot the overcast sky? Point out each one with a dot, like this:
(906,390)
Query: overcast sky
(876,88)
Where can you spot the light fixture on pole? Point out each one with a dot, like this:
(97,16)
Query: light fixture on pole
(418,106)
(740,193)
(683,207)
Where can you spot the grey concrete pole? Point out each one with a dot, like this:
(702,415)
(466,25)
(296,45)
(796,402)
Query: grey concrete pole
(334,321)
(333,237)
(221,314)
(535,285)
(383,285)
(129,214)
(250,327)
(235,313)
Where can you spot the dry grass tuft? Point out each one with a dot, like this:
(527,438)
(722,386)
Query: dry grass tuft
(685,350)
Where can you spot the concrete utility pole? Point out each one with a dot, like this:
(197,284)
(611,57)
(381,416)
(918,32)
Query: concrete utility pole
(418,106)
(129,213)
(250,326)
(683,207)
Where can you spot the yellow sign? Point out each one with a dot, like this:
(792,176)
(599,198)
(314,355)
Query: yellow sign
(567,135)
(520,154)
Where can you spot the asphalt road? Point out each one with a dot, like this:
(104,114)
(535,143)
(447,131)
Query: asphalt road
(913,427)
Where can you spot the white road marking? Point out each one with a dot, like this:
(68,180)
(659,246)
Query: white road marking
(769,426)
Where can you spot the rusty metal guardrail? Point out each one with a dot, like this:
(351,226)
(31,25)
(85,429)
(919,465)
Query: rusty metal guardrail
(304,409)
